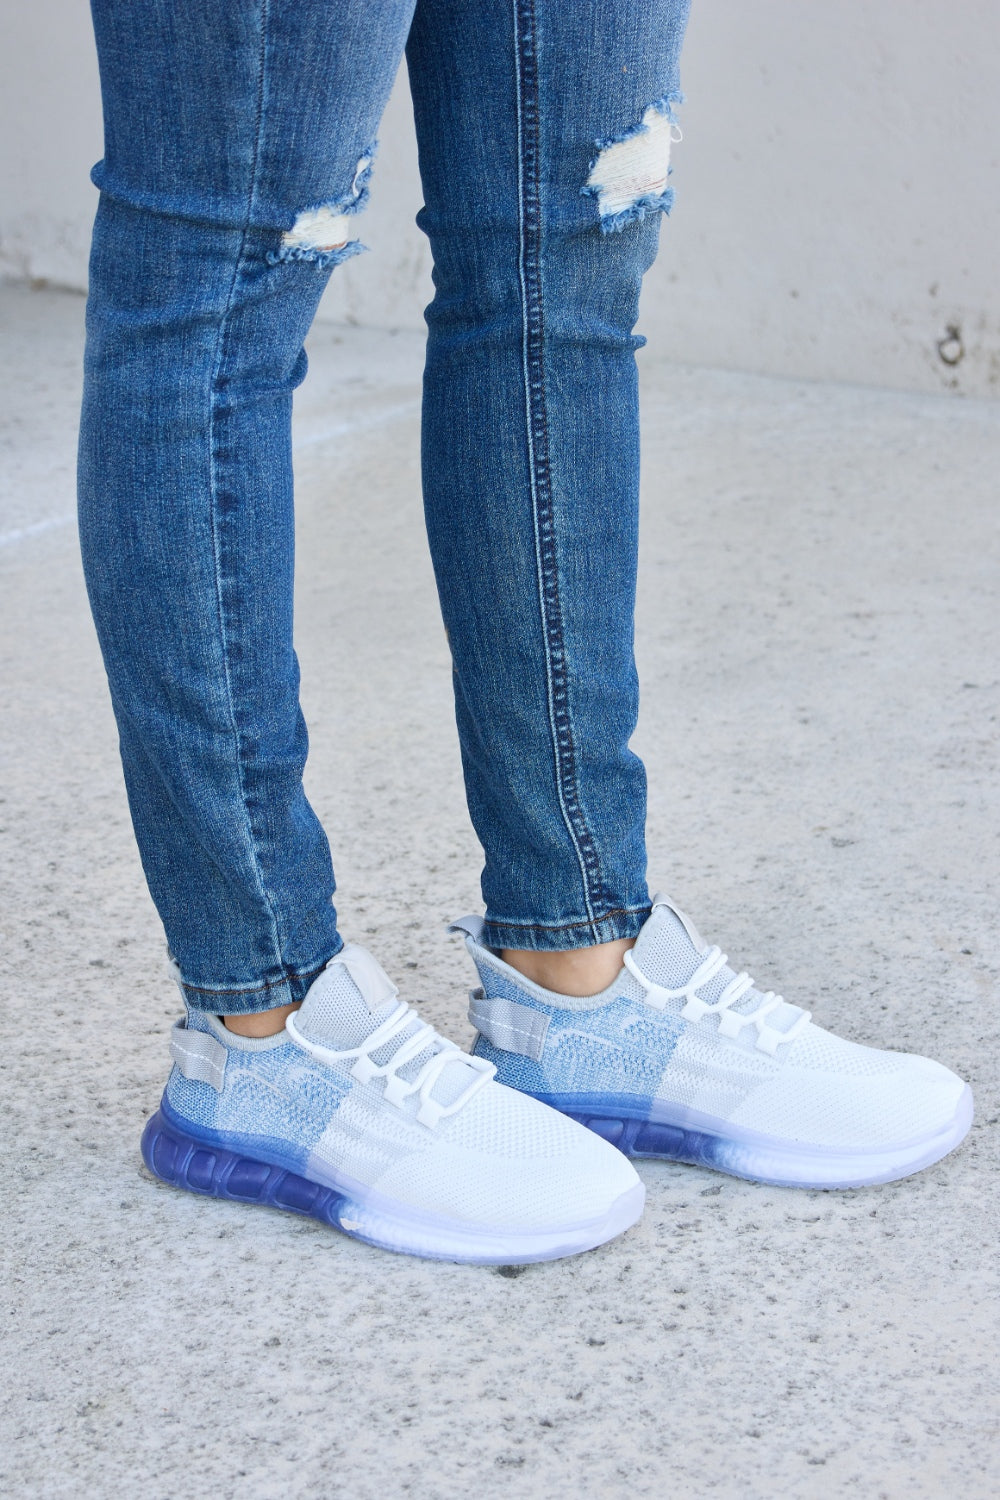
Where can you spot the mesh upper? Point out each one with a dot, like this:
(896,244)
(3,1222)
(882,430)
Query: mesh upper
(571,1189)
(513,1124)
(849,1113)
(706,1075)
(822,1050)
(336,1015)
(665,954)
(501,1160)
(817,1088)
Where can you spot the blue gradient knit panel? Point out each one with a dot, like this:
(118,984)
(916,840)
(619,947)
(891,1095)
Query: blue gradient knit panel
(289,1099)
(613,1049)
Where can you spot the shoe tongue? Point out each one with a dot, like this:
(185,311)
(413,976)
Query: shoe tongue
(350,999)
(669,949)
(354,997)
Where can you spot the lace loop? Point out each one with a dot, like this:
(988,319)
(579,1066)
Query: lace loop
(397,1089)
(731,1022)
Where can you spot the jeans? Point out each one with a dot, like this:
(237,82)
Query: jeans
(239,139)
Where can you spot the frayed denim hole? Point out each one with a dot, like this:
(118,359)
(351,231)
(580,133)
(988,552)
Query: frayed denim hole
(318,258)
(628,176)
(321,232)
(640,209)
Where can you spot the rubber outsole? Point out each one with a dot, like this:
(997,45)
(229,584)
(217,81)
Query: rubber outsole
(759,1158)
(179,1158)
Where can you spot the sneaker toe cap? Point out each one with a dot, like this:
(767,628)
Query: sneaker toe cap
(917,1102)
(514,1163)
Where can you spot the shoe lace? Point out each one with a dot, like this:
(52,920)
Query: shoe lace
(397,1089)
(731,1022)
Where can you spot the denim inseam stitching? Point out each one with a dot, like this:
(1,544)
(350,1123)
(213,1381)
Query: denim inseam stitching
(618,911)
(213,471)
(259,989)
(536,415)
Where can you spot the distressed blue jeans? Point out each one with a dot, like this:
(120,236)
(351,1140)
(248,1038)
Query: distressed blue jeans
(239,139)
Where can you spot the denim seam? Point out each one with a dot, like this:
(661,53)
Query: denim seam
(213,470)
(536,421)
(618,911)
(259,989)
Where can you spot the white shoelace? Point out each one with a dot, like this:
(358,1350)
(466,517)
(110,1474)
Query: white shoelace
(731,1022)
(397,1089)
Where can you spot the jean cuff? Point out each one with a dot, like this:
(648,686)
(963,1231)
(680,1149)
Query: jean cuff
(287,989)
(624,922)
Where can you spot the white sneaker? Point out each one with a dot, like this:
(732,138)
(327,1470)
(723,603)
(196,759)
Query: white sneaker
(361,1115)
(682,1058)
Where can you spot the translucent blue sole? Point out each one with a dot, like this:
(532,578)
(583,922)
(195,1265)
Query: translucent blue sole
(638,1133)
(184,1162)
(211,1168)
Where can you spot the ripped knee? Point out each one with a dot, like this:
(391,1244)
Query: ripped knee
(322,233)
(628,177)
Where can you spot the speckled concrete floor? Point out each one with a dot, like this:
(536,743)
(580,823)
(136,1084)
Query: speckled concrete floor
(818,644)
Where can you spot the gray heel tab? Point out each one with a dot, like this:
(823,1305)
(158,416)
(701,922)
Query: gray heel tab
(509,1026)
(471,926)
(198,1055)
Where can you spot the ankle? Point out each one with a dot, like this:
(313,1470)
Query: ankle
(260,1023)
(572,971)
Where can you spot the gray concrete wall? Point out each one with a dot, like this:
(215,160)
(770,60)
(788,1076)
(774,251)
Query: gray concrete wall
(838,189)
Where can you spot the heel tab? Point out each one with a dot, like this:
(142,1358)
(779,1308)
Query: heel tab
(508,1025)
(198,1055)
(472,926)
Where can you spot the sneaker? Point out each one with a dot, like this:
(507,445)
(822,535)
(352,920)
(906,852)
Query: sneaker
(682,1058)
(361,1115)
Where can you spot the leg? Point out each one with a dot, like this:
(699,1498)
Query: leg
(530,473)
(531,435)
(223,123)
(238,142)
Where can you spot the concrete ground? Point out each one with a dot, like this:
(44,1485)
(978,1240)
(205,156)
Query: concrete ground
(818,645)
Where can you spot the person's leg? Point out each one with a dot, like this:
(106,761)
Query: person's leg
(227,122)
(544,134)
(541,229)
(239,136)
